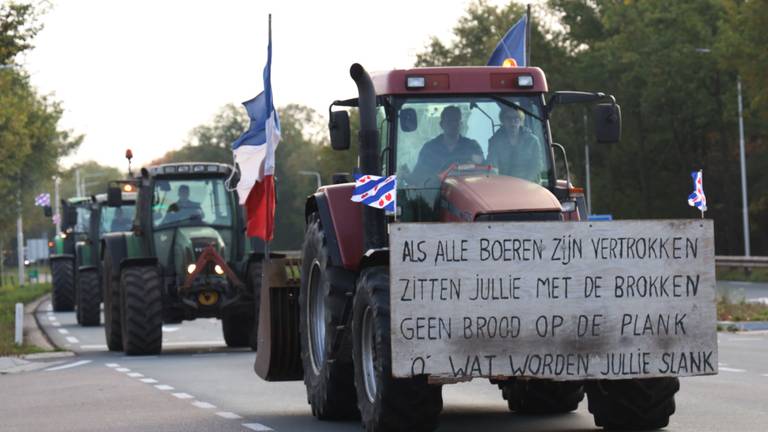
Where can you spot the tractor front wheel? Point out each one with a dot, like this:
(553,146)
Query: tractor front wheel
(632,404)
(89,298)
(63,296)
(386,403)
(141,310)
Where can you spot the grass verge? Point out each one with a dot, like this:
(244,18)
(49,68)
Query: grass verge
(740,311)
(736,274)
(9,296)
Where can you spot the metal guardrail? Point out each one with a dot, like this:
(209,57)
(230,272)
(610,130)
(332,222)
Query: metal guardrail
(741,261)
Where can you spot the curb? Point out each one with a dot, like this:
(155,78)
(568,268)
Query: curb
(743,325)
(36,333)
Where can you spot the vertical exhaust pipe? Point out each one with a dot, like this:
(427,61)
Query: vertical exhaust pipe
(373,219)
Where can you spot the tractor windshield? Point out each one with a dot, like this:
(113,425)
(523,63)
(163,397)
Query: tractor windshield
(116,219)
(439,137)
(83,219)
(191,202)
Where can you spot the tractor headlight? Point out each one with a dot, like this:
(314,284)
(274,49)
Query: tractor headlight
(191,268)
(219,271)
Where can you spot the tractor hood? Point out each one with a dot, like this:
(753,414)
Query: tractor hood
(191,241)
(463,198)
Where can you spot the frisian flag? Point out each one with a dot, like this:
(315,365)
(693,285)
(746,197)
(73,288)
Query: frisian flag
(375,191)
(697,198)
(511,46)
(254,154)
(43,200)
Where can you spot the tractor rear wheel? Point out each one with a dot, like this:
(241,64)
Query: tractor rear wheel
(63,296)
(542,397)
(141,310)
(89,298)
(110,283)
(632,404)
(328,375)
(386,403)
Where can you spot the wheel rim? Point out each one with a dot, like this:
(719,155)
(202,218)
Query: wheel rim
(368,354)
(316,318)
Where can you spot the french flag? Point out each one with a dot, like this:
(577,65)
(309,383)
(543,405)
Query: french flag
(254,154)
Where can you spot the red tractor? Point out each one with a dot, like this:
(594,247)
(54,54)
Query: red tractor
(447,133)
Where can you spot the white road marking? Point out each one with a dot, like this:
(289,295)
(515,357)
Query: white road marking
(72,339)
(228,415)
(56,324)
(163,387)
(148,380)
(70,365)
(722,364)
(169,329)
(727,369)
(63,331)
(203,405)
(135,375)
(765,375)
(191,343)
(111,365)
(51,318)
(93,347)
(183,395)
(257,427)
(49,307)
(123,370)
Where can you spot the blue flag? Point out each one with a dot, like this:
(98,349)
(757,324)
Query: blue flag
(512,45)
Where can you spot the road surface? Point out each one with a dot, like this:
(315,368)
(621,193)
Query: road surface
(197,384)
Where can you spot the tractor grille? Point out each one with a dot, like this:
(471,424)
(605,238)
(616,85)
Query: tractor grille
(199,244)
(519,217)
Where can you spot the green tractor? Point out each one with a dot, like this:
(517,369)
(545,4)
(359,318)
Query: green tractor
(103,219)
(185,258)
(74,228)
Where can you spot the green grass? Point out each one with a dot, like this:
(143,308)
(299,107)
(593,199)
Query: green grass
(9,296)
(736,274)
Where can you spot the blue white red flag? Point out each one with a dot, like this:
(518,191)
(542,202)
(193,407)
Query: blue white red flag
(254,154)
(511,46)
(375,191)
(697,198)
(42,200)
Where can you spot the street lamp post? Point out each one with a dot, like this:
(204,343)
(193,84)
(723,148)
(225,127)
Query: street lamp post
(745,209)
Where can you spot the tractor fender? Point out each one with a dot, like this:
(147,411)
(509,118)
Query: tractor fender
(137,262)
(61,257)
(375,257)
(118,249)
(342,222)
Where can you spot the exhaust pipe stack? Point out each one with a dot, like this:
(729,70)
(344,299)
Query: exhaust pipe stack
(373,219)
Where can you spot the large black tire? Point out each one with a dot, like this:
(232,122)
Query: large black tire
(328,375)
(141,310)
(89,298)
(63,296)
(110,283)
(237,328)
(385,403)
(632,404)
(542,397)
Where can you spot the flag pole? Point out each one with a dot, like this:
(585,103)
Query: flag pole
(528,35)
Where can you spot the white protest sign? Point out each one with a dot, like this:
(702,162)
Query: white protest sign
(566,301)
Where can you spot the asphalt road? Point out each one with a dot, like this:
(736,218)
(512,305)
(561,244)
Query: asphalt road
(197,385)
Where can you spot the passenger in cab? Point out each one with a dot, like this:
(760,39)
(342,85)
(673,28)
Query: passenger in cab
(514,149)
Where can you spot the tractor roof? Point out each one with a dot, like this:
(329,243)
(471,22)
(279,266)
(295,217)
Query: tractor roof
(128,197)
(78,200)
(186,169)
(459,80)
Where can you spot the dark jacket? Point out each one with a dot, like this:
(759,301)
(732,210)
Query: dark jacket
(435,158)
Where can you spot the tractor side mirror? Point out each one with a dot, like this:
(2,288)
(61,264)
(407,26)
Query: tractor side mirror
(47,211)
(338,126)
(408,120)
(607,122)
(114,196)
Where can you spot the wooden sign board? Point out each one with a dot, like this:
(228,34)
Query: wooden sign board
(564,301)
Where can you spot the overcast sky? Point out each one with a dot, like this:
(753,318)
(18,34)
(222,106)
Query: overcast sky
(142,74)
